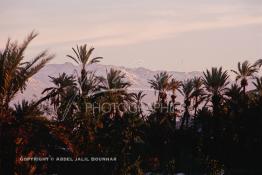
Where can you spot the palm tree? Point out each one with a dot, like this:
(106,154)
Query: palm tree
(234,94)
(215,82)
(258,85)
(90,85)
(84,117)
(161,84)
(82,57)
(114,90)
(89,89)
(24,109)
(14,75)
(198,92)
(15,72)
(187,92)
(138,101)
(58,93)
(245,70)
(62,84)
(258,63)
(174,85)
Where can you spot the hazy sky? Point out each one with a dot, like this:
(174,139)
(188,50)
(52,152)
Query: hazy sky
(180,35)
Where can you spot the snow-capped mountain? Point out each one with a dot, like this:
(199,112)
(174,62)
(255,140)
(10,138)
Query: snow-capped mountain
(137,76)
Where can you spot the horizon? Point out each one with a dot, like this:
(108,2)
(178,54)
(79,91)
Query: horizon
(167,35)
(127,67)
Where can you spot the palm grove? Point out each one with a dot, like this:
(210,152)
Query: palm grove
(218,127)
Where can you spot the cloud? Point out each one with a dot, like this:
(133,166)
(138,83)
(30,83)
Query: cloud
(126,26)
(115,34)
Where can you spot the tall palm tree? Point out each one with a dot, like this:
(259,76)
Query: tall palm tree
(215,82)
(198,92)
(187,92)
(14,75)
(114,90)
(84,117)
(82,57)
(174,86)
(245,71)
(161,84)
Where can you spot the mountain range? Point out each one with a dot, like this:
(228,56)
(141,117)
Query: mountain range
(137,76)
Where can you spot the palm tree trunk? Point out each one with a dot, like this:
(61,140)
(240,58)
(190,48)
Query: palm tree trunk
(216,104)
(174,111)
(158,98)
(185,118)
(195,106)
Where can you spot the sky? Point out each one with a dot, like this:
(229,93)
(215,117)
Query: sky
(176,35)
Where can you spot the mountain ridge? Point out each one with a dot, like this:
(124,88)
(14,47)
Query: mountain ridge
(137,76)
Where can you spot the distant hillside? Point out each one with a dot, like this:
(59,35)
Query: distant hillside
(137,76)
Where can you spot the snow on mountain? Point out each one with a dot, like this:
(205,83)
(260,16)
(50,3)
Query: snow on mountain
(137,76)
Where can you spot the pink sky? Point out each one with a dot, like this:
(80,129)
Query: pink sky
(166,34)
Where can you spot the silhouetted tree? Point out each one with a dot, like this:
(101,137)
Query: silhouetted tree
(245,71)
(14,75)
(187,92)
(215,82)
